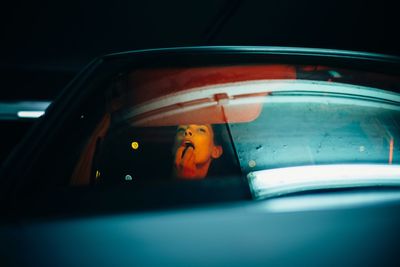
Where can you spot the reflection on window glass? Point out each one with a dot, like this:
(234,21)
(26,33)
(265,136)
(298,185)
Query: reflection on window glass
(329,133)
(213,122)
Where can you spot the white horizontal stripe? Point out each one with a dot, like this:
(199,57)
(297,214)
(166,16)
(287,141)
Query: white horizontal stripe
(30,114)
(267,183)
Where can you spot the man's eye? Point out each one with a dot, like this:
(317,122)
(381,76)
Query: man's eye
(202,130)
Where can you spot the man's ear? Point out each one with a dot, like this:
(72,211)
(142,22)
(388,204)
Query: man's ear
(216,152)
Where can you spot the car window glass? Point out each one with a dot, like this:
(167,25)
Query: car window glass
(267,116)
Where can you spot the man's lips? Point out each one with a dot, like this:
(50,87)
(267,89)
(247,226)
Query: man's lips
(187,143)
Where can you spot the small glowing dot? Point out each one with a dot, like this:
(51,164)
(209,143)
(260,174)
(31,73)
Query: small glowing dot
(97,174)
(252,163)
(128,177)
(135,145)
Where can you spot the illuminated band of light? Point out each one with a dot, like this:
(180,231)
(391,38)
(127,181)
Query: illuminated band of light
(280,181)
(30,114)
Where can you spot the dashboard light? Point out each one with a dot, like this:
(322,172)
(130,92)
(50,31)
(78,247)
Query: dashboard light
(135,145)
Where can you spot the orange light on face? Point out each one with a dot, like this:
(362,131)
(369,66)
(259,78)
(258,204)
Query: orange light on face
(135,145)
(194,150)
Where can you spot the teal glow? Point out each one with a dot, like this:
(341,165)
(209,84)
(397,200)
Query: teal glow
(22,109)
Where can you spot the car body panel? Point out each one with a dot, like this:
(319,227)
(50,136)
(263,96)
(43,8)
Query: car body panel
(241,234)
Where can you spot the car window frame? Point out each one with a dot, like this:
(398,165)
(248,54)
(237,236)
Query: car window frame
(17,172)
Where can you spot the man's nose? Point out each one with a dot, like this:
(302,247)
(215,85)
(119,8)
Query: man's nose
(188,132)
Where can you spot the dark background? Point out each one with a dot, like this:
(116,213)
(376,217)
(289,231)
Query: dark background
(45,43)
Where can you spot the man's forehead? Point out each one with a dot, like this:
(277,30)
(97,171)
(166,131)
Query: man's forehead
(185,126)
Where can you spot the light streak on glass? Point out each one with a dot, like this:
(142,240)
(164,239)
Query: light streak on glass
(30,114)
(22,109)
(280,181)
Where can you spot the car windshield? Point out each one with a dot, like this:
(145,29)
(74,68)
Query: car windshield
(282,127)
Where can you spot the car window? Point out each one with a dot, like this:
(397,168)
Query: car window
(261,116)
(336,125)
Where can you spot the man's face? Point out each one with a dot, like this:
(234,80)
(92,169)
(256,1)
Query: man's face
(199,139)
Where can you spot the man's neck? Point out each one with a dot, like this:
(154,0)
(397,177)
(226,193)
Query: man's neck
(202,169)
